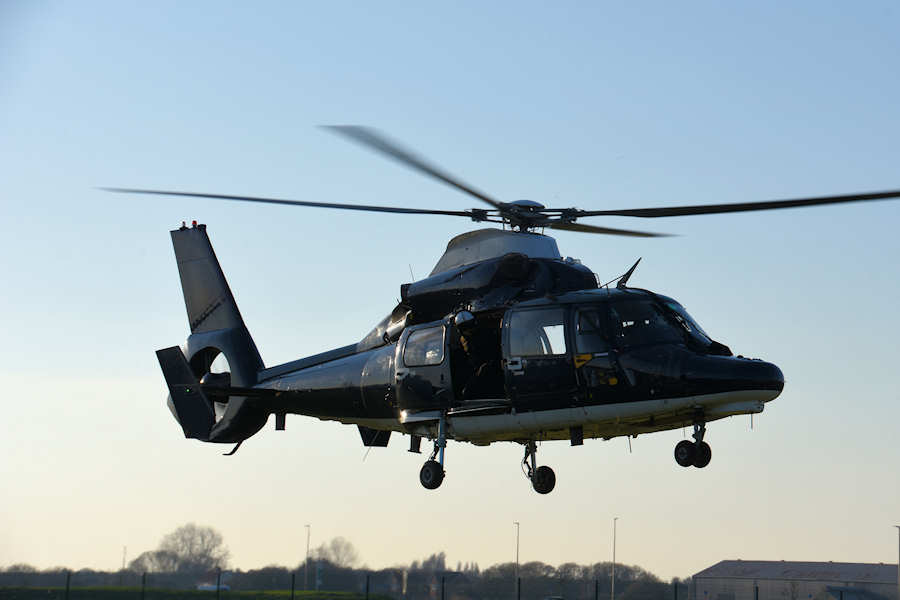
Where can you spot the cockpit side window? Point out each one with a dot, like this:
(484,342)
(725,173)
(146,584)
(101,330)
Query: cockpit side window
(641,322)
(537,332)
(424,347)
(589,335)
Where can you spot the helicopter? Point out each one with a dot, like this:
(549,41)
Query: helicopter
(504,341)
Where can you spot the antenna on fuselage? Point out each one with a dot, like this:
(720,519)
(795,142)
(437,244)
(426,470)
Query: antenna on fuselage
(624,279)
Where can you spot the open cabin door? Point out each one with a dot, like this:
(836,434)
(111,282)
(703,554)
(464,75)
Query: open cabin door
(539,369)
(422,368)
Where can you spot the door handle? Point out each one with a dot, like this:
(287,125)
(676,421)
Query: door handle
(400,375)
(514,364)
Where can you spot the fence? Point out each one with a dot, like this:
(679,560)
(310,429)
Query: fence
(343,584)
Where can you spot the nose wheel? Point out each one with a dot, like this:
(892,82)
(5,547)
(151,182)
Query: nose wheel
(696,453)
(432,475)
(543,479)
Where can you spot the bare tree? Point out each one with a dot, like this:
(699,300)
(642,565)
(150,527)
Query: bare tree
(21,568)
(190,548)
(338,552)
(435,563)
(154,561)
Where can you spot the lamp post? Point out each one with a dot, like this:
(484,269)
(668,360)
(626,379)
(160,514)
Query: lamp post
(306,564)
(516,523)
(898,561)
(612,593)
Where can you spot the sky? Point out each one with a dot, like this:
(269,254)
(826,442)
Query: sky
(594,105)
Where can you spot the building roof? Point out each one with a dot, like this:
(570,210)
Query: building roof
(815,571)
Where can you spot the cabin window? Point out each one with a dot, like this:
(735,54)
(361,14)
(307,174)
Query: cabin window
(589,337)
(537,332)
(424,347)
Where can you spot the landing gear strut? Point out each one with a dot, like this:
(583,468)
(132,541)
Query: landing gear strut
(696,453)
(432,474)
(543,479)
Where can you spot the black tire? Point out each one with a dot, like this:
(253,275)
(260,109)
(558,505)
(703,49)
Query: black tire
(702,455)
(544,480)
(685,452)
(432,475)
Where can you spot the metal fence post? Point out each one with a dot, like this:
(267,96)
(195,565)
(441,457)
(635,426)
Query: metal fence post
(442,586)
(218,582)
(367,585)
(68,580)
(292,585)
(518,588)
(143,583)
(596,589)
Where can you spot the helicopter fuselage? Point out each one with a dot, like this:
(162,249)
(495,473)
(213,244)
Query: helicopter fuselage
(598,363)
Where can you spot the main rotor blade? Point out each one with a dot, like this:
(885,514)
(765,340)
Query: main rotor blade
(708,209)
(606,230)
(376,141)
(389,209)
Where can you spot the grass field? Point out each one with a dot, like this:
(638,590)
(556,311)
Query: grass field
(134,593)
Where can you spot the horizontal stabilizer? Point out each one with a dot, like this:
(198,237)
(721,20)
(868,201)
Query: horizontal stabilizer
(192,408)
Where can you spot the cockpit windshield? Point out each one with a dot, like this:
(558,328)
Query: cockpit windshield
(641,322)
(686,321)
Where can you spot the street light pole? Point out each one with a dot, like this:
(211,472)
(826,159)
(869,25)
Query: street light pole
(516,523)
(612,593)
(306,564)
(898,561)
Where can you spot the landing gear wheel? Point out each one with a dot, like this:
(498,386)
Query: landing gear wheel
(702,455)
(685,452)
(432,475)
(544,480)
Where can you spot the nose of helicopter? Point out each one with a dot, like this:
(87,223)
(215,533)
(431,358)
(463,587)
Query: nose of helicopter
(765,375)
(729,373)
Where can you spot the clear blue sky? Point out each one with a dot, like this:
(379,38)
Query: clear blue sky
(574,104)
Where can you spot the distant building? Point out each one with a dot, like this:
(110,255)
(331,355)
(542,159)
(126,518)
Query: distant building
(782,580)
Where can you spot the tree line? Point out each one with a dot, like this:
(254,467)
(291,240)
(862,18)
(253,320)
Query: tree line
(194,554)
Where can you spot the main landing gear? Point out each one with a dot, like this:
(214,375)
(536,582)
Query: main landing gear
(432,474)
(543,479)
(696,453)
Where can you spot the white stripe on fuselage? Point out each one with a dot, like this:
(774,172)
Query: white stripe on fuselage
(604,420)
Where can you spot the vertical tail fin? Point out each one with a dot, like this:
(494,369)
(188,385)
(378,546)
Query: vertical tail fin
(216,328)
(208,299)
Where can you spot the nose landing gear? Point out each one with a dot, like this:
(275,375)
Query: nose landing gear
(696,453)
(543,479)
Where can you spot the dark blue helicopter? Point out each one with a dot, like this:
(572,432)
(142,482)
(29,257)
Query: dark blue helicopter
(504,341)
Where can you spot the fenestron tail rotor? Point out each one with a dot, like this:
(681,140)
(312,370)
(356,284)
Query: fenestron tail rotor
(523,215)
